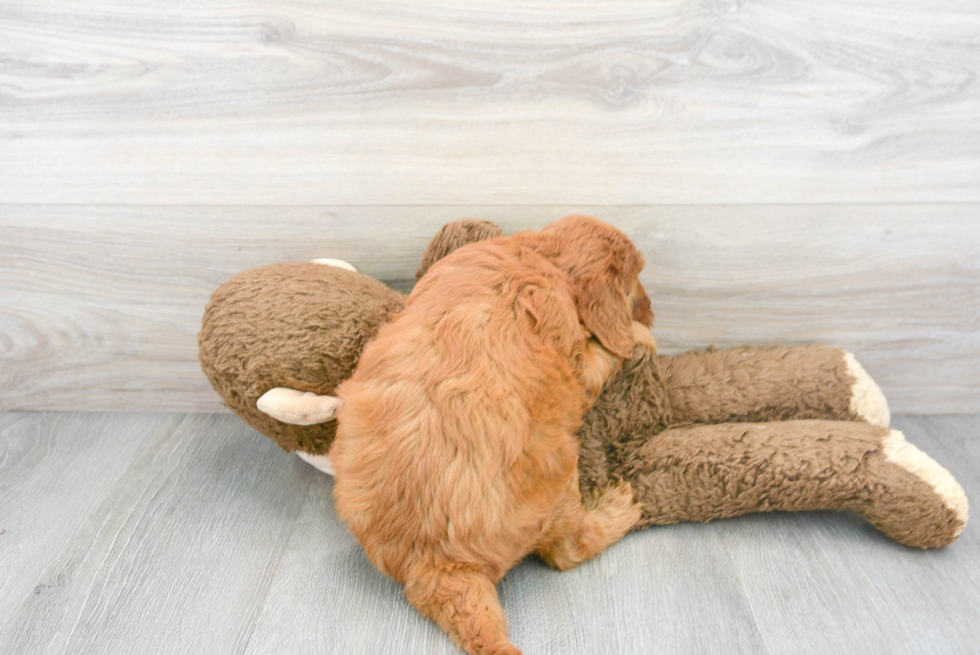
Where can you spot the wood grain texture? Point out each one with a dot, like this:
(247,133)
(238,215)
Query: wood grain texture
(626,601)
(491,101)
(865,593)
(332,599)
(100,306)
(178,556)
(212,539)
(55,473)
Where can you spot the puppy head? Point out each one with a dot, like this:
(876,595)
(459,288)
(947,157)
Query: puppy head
(604,266)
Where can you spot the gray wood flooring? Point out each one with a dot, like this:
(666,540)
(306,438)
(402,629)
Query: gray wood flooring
(188,533)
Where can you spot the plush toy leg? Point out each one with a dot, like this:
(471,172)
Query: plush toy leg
(705,472)
(770,384)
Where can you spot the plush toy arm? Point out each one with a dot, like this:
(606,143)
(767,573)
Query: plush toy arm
(777,383)
(706,472)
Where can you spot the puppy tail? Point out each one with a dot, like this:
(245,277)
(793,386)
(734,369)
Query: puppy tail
(464,603)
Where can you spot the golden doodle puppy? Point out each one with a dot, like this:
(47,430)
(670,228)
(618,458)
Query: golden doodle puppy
(455,450)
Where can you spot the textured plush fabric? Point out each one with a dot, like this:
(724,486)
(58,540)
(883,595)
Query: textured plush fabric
(632,407)
(651,393)
(759,384)
(452,236)
(300,326)
(704,472)
(714,434)
(703,435)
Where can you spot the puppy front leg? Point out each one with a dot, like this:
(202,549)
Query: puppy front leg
(599,365)
(642,336)
(578,533)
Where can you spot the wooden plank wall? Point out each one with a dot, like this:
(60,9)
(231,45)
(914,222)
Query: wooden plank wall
(794,172)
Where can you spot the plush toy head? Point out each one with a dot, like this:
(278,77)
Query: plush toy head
(298,326)
(302,326)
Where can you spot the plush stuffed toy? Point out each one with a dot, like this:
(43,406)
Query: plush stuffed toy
(699,436)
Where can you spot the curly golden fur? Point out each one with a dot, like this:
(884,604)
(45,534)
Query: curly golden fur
(455,451)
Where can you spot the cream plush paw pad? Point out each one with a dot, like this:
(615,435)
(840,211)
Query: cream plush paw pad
(867,400)
(900,452)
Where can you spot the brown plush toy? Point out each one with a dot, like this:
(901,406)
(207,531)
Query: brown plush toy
(699,436)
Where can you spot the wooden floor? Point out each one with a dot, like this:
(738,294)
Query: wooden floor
(191,533)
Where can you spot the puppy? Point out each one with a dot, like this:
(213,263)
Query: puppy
(456,453)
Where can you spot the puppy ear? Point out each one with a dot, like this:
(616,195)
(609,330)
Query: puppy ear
(604,266)
(607,313)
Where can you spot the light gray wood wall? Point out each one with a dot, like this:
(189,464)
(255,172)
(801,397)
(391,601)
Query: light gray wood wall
(794,172)
(490,101)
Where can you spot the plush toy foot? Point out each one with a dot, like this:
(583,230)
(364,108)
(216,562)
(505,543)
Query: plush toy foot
(867,399)
(320,462)
(339,263)
(909,512)
(297,407)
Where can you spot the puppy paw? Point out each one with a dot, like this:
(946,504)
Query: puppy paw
(617,508)
(601,519)
(642,336)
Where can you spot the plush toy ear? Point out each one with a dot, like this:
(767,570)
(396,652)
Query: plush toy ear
(607,313)
(456,235)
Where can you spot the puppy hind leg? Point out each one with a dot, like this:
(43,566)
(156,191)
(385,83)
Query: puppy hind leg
(579,533)
(465,605)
